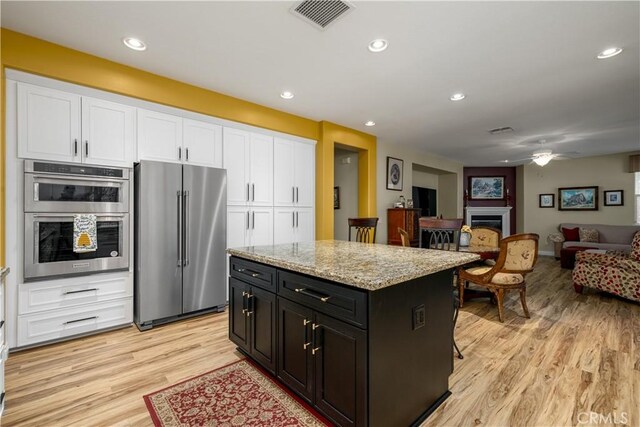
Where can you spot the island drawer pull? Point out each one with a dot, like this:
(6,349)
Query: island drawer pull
(313,294)
(251,272)
(80,291)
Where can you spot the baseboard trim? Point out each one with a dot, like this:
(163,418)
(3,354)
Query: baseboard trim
(546,253)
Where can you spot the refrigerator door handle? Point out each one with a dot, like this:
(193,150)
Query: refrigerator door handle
(179,223)
(185,221)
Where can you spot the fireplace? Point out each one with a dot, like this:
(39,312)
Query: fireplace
(496,217)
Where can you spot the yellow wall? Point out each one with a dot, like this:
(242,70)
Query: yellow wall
(25,53)
(330,134)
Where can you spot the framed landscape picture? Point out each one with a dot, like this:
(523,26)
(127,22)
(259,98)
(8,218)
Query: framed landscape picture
(394,173)
(546,200)
(614,198)
(486,187)
(578,198)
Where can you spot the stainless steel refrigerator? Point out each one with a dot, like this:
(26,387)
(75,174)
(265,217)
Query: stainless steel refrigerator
(180,241)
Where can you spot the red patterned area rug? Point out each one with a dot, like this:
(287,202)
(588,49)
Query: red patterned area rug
(239,394)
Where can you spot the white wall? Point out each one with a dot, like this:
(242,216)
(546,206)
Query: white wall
(450,202)
(608,172)
(345,177)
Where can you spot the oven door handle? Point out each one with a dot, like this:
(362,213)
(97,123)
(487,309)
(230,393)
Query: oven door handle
(114,180)
(67,215)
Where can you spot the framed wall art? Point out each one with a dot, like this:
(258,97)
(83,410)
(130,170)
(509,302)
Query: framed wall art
(394,173)
(614,198)
(486,188)
(336,197)
(546,200)
(578,198)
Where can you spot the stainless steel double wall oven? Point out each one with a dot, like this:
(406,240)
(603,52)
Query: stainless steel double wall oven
(53,194)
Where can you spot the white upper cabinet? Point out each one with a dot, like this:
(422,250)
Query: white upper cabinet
(236,145)
(261,170)
(48,124)
(159,136)
(248,159)
(108,133)
(202,143)
(294,173)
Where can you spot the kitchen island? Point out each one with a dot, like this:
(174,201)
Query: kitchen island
(363,332)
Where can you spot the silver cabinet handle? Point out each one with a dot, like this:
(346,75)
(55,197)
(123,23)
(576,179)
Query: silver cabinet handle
(80,291)
(253,192)
(293,219)
(293,194)
(75,147)
(297,194)
(80,320)
(86,148)
(313,294)
(297,217)
(253,220)
(187,224)
(247,220)
(248,192)
(179,153)
(179,222)
(186,152)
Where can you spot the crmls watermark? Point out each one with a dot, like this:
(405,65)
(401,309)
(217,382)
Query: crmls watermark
(597,418)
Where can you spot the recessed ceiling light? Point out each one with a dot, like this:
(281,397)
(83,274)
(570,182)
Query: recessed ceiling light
(457,97)
(378,45)
(134,43)
(286,95)
(608,53)
(370,123)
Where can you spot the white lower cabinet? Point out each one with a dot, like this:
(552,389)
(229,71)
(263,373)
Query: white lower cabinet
(293,225)
(56,309)
(249,226)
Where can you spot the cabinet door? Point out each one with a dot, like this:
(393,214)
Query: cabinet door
(108,132)
(238,305)
(283,182)
(261,170)
(295,363)
(305,174)
(48,124)
(261,226)
(284,222)
(340,371)
(202,143)
(159,136)
(238,226)
(305,225)
(262,319)
(236,145)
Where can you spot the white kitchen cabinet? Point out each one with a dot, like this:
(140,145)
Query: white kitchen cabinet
(249,226)
(248,159)
(294,173)
(48,124)
(108,133)
(293,225)
(159,136)
(202,143)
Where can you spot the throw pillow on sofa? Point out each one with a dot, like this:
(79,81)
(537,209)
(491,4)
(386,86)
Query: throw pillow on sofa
(571,234)
(589,235)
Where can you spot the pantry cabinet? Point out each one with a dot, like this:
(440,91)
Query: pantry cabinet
(61,126)
(249,226)
(293,225)
(294,173)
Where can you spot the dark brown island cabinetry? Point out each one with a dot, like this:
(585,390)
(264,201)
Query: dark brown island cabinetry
(360,357)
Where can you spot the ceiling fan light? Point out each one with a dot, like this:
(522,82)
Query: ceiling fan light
(543,159)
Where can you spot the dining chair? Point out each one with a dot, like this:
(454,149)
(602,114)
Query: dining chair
(485,236)
(444,234)
(518,256)
(404,237)
(365,229)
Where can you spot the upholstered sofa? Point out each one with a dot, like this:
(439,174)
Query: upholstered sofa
(610,237)
(614,272)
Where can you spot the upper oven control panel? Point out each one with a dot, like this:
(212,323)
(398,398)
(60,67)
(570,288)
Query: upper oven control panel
(81,170)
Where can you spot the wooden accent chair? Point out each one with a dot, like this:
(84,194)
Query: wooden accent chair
(444,234)
(404,237)
(485,236)
(518,256)
(365,229)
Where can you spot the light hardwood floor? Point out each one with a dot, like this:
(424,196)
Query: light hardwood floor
(577,354)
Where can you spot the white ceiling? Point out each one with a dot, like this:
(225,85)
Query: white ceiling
(528,65)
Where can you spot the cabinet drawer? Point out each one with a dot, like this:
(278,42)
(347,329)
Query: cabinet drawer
(56,324)
(35,297)
(335,300)
(254,273)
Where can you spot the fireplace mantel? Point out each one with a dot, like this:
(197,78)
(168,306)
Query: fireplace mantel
(503,211)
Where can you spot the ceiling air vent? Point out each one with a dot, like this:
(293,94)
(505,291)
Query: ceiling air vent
(498,131)
(321,13)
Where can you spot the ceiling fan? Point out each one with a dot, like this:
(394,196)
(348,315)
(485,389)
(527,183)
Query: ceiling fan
(544,156)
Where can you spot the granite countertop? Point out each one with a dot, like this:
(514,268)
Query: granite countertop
(361,265)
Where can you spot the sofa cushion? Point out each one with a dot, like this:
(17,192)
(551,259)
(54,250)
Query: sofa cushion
(589,235)
(618,234)
(571,234)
